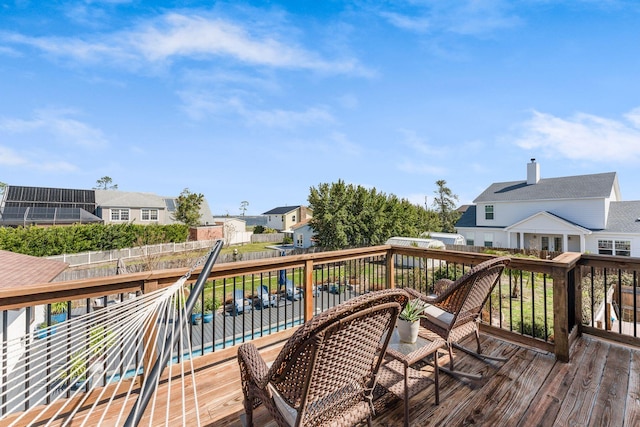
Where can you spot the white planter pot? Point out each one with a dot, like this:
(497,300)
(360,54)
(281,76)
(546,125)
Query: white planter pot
(408,331)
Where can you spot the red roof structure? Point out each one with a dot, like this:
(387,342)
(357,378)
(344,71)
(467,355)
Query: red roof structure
(20,270)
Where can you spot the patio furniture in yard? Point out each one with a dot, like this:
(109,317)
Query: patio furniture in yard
(265,298)
(240,302)
(326,372)
(455,313)
(292,292)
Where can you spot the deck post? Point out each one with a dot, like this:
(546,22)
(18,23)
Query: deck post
(308,289)
(148,357)
(391,270)
(564,305)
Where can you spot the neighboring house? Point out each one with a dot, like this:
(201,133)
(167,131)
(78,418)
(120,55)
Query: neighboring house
(285,217)
(582,213)
(44,206)
(116,206)
(18,271)
(303,235)
(20,205)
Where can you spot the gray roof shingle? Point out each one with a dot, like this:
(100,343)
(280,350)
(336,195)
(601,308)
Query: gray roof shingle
(281,210)
(569,187)
(624,217)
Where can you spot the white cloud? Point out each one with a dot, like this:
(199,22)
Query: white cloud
(289,119)
(33,161)
(419,145)
(58,124)
(470,17)
(419,24)
(200,106)
(584,136)
(174,36)
(9,157)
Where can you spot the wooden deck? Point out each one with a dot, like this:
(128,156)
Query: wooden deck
(599,387)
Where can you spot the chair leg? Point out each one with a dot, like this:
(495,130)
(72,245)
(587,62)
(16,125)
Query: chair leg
(450,357)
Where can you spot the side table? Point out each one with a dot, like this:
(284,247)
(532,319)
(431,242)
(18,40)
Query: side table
(402,355)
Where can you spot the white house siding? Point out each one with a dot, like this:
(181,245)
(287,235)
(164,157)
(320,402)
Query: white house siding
(478,235)
(302,236)
(275,222)
(588,213)
(591,244)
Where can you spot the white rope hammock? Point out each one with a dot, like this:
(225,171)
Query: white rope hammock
(99,355)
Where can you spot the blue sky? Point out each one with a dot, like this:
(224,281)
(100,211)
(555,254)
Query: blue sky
(259,101)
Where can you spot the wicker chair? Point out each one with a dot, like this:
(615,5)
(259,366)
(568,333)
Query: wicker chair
(455,312)
(325,373)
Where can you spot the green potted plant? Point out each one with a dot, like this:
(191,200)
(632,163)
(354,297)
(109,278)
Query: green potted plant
(196,313)
(210,305)
(84,366)
(58,311)
(409,320)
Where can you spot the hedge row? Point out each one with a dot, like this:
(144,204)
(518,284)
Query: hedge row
(41,241)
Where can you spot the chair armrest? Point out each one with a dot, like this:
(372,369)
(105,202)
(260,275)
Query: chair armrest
(253,365)
(442,285)
(428,299)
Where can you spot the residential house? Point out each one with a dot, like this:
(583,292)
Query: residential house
(45,206)
(303,234)
(582,213)
(20,205)
(142,208)
(284,217)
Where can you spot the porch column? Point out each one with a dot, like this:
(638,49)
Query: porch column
(583,243)
(565,242)
(521,240)
(508,239)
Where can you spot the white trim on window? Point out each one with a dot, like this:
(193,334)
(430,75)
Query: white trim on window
(119,214)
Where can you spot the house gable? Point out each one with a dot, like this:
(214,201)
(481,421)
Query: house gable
(547,223)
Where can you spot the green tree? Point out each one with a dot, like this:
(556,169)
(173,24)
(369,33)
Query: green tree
(354,216)
(105,183)
(243,206)
(445,205)
(188,208)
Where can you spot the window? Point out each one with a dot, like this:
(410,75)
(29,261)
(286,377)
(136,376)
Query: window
(614,247)
(119,214)
(299,240)
(623,248)
(557,244)
(293,219)
(470,239)
(545,243)
(488,240)
(149,214)
(605,247)
(488,212)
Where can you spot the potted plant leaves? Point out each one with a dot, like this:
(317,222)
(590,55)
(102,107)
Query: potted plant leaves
(86,365)
(210,305)
(58,311)
(409,321)
(196,313)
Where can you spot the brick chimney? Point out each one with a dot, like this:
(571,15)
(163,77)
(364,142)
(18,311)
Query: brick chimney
(533,172)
